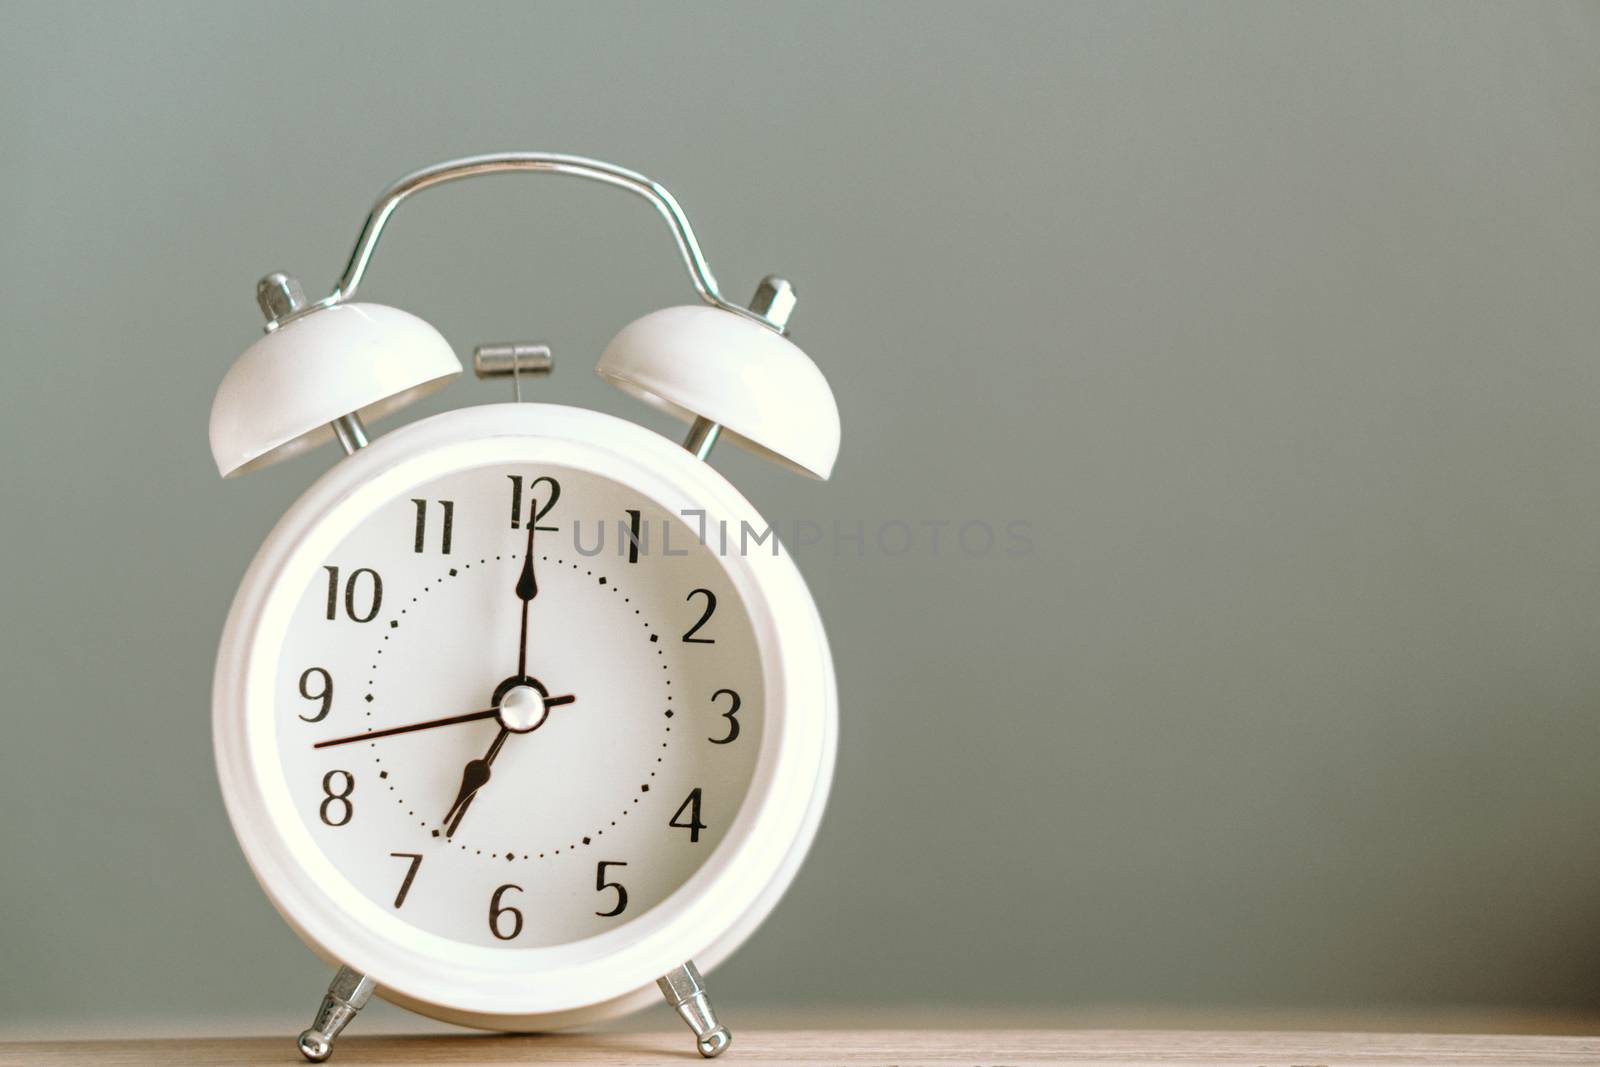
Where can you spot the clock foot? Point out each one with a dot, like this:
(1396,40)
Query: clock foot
(347,994)
(685,990)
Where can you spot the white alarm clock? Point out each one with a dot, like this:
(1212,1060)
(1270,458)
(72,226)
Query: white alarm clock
(520,711)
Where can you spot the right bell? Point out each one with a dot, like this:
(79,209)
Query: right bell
(699,361)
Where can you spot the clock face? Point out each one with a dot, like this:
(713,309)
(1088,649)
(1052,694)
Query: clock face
(519,705)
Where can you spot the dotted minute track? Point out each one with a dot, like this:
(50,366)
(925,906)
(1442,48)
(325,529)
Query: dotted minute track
(655,639)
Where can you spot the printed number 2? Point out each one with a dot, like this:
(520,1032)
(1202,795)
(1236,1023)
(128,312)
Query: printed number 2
(689,638)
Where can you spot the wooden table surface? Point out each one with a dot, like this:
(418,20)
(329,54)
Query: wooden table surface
(846,1048)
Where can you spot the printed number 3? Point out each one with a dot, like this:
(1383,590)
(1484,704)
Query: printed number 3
(733,724)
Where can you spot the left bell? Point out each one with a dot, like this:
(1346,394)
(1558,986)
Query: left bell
(316,366)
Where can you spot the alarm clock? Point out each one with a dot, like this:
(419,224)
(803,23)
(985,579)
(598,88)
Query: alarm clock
(521,715)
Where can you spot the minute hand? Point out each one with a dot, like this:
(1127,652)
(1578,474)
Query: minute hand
(527,589)
(471,716)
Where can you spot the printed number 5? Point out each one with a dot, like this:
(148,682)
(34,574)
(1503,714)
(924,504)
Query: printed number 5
(601,885)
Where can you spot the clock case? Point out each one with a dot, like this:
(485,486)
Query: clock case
(321,372)
(526,989)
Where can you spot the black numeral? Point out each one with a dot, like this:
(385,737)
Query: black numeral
(496,913)
(601,885)
(711,605)
(733,724)
(633,535)
(324,694)
(411,873)
(337,800)
(539,511)
(374,604)
(449,509)
(694,825)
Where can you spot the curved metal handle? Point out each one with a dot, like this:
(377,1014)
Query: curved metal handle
(576,166)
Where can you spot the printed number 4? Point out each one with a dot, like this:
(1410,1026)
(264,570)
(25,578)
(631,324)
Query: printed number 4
(691,804)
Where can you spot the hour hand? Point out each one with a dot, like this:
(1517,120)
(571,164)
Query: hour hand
(474,776)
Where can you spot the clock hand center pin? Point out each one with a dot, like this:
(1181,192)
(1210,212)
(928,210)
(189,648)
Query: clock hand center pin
(523,709)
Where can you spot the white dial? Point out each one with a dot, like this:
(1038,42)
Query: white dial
(514,748)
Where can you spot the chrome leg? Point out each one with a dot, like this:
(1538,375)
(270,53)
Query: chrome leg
(685,990)
(702,437)
(347,994)
(350,432)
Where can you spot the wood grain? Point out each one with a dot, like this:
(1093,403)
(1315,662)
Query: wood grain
(848,1048)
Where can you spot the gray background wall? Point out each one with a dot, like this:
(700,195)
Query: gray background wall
(1276,323)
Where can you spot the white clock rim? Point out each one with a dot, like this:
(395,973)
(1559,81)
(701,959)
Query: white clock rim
(340,922)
